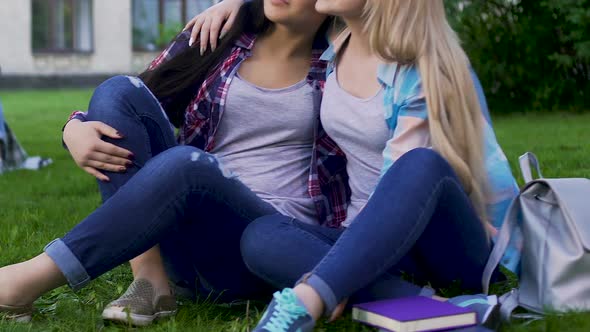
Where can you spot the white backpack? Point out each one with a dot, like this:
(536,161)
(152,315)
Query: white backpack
(553,216)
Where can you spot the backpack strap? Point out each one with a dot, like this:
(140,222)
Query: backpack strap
(526,161)
(509,225)
(508,302)
(510,221)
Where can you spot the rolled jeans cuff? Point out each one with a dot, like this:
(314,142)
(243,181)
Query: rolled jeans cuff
(68,263)
(324,291)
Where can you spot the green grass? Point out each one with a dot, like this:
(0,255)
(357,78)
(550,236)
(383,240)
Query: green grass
(37,207)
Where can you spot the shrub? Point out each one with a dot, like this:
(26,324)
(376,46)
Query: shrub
(528,53)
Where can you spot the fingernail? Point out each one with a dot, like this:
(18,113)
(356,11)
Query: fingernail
(128,164)
(191,41)
(222,35)
(213,48)
(120,135)
(202,51)
(122,169)
(131,156)
(107,180)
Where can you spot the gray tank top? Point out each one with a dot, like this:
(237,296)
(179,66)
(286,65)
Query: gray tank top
(358,127)
(266,137)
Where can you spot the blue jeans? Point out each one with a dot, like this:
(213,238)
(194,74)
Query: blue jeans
(177,196)
(419,221)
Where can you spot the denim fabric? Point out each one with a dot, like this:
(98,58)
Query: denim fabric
(177,196)
(279,249)
(126,104)
(419,220)
(67,263)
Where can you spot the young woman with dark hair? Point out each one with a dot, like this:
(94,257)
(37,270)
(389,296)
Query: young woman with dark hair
(247,113)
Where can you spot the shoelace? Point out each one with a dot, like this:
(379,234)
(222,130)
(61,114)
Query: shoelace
(285,312)
(482,314)
(472,302)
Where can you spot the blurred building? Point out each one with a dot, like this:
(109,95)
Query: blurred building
(76,41)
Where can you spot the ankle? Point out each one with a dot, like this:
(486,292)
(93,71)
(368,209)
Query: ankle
(310,299)
(149,266)
(13,290)
(158,281)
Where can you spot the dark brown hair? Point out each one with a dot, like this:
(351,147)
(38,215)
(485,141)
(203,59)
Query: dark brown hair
(177,80)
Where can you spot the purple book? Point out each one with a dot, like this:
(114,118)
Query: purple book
(415,313)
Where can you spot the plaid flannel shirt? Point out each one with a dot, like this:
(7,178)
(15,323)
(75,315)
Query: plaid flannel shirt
(328,181)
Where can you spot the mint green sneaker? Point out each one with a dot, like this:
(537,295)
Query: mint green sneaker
(285,313)
(486,308)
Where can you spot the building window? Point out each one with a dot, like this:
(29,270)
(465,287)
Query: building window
(156,22)
(62,26)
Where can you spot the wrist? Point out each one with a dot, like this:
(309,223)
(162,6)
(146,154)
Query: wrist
(69,125)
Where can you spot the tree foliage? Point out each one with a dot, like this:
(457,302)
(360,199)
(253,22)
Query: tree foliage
(528,53)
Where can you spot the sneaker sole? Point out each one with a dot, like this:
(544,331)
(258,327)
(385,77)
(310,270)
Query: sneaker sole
(119,316)
(16,314)
(25,318)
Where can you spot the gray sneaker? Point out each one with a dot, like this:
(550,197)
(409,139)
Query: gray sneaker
(285,313)
(16,314)
(138,305)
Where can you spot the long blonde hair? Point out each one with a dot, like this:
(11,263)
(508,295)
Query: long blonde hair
(416,32)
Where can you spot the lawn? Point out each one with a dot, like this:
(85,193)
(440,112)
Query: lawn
(37,207)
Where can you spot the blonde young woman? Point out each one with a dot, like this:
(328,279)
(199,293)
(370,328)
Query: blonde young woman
(427,185)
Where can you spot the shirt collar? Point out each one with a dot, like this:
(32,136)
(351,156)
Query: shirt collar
(246,41)
(335,46)
(386,73)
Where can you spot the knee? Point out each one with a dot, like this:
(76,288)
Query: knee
(259,243)
(188,164)
(423,156)
(117,90)
(425,161)
(118,87)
